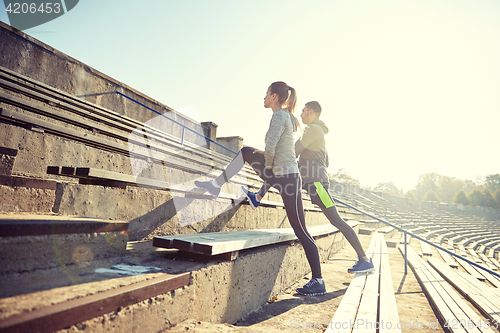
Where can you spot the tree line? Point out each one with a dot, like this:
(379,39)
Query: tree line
(439,188)
(434,187)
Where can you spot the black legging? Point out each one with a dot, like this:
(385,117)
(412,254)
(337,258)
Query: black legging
(289,187)
(320,196)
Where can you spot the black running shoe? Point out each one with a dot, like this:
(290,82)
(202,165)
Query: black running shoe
(208,186)
(312,288)
(362,266)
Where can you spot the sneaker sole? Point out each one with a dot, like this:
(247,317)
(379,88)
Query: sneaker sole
(312,294)
(363,271)
(206,190)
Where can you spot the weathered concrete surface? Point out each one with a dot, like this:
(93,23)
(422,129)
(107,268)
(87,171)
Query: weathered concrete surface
(21,199)
(26,254)
(15,305)
(235,143)
(37,150)
(220,291)
(6,164)
(225,292)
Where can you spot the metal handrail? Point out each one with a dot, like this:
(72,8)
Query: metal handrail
(184,127)
(417,237)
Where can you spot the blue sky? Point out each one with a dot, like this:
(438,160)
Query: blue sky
(407,87)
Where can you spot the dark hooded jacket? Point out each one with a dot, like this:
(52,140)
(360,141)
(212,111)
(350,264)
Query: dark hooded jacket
(311,150)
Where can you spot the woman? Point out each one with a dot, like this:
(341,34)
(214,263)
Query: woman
(277,166)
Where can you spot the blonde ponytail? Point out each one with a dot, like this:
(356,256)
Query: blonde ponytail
(292,100)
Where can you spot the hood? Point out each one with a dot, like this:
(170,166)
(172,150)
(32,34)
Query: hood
(321,124)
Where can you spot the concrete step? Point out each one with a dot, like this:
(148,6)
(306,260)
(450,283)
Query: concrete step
(38,242)
(366,231)
(213,289)
(388,231)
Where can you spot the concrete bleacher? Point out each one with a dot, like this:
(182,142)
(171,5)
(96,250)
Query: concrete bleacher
(467,237)
(452,309)
(484,297)
(114,177)
(70,167)
(473,236)
(369,303)
(68,133)
(398,239)
(28,241)
(426,249)
(448,259)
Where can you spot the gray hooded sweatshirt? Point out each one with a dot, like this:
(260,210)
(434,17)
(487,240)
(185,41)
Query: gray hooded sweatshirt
(311,148)
(279,153)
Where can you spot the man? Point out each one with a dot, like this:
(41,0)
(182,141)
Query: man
(313,162)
